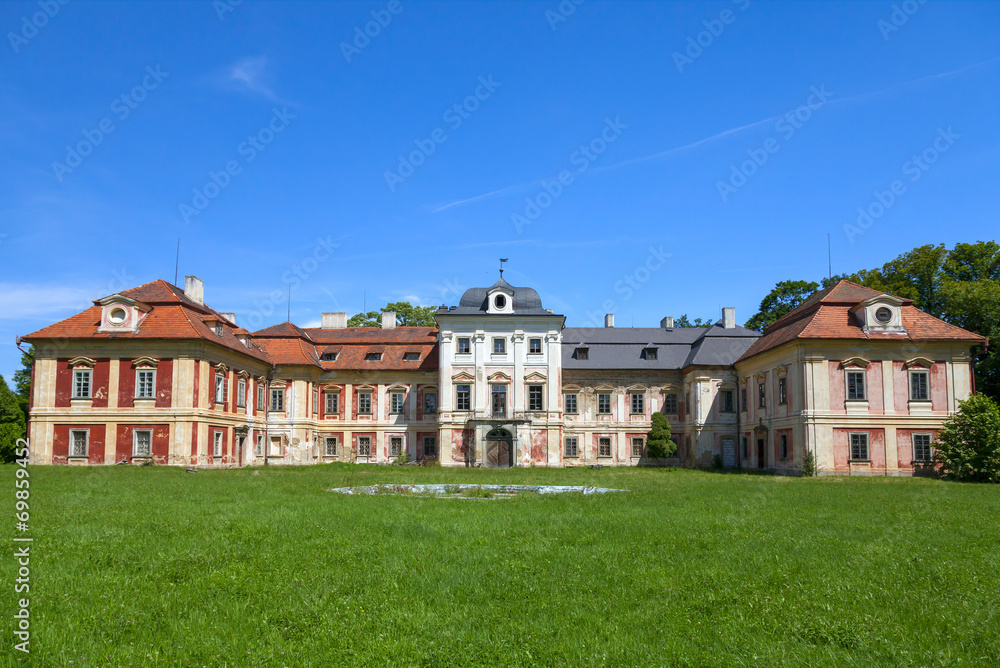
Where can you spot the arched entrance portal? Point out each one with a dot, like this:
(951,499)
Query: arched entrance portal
(499,449)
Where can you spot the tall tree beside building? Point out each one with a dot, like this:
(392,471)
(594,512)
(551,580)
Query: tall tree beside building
(12,422)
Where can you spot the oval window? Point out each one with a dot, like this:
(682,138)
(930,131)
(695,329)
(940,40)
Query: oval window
(117,316)
(500,301)
(883,315)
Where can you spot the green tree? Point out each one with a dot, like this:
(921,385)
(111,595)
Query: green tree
(12,422)
(785,296)
(22,377)
(917,275)
(698,322)
(658,443)
(407,315)
(968,446)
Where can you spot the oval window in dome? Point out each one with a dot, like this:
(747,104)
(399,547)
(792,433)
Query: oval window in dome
(117,316)
(500,301)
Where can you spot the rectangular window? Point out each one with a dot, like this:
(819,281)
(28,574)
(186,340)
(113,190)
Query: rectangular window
(670,403)
(396,402)
(783,439)
(582,353)
(604,404)
(637,445)
(743,399)
(364,446)
(81,384)
(856,385)
(534,346)
(571,448)
(638,403)
(329,357)
(430,403)
(430,446)
(395,446)
(78,443)
(919,385)
(217,445)
(315,404)
(921,447)
(604,447)
(144,383)
(761,396)
(411,357)
(330,446)
(464,346)
(332,403)
(241,393)
(782,391)
(571,403)
(277,399)
(260,396)
(535,398)
(220,388)
(463,397)
(649,353)
(859,447)
(373,357)
(745,448)
(499,346)
(142,443)
(365,403)
(259,447)
(726,397)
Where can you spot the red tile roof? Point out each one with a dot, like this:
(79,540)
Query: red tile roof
(827,315)
(288,344)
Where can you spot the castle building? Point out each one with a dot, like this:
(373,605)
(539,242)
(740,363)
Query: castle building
(859,380)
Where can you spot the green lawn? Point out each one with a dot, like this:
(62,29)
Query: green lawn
(156,566)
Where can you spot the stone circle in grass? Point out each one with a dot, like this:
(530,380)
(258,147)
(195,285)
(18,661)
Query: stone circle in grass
(471,491)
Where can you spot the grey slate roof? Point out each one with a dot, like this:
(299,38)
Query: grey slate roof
(621,348)
(473,302)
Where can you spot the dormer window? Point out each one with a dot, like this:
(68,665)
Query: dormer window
(120,313)
(373,357)
(329,357)
(883,315)
(582,353)
(500,302)
(649,353)
(117,315)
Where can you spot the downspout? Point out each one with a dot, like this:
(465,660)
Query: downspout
(738,445)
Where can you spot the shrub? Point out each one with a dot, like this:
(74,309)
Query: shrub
(968,446)
(809,464)
(403,457)
(717,461)
(658,443)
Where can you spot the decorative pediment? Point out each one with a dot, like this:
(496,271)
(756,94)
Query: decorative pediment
(145,361)
(781,371)
(604,389)
(331,389)
(743,382)
(918,362)
(278,383)
(534,376)
(499,377)
(634,389)
(463,376)
(364,388)
(244,374)
(855,361)
(571,388)
(670,387)
(221,368)
(397,387)
(760,377)
(82,361)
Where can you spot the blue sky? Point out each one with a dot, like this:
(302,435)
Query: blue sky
(646,158)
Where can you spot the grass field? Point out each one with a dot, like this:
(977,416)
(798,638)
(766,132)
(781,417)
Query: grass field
(159,567)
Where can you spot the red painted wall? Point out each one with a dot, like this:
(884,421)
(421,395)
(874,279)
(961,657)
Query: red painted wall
(160,445)
(164,383)
(539,446)
(842,447)
(197,385)
(939,387)
(95,448)
(126,384)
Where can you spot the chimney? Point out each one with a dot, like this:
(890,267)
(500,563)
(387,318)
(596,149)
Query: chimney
(728,317)
(609,320)
(334,321)
(231,317)
(668,322)
(194,288)
(389,320)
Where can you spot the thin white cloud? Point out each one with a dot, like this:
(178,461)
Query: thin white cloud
(19,301)
(250,75)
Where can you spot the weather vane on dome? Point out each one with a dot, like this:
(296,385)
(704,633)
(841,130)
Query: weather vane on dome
(502,260)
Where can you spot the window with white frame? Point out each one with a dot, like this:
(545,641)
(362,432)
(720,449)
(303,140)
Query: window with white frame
(570,401)
(604,404)
(217,444)
(142,443)
(277,398)
(782,391)
(637,445)
(364,446)
(571,447)
(535,398)
(241,393)
(330,446)
(499,346)
(919,385)
(395,446)
(145,383)
(78,441)
(638,402)
(396,400)
(726,401)
(603,446)
(365,403)
(463,397)
(430,402)
(220,388)
(259,448)
(856,385)
(315,404)
(81,383)
(922,448)
(761,396)
(260,396)
(670,403)
(859,447)
(464,345)
(332,401)
(534,346)
(430,446)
